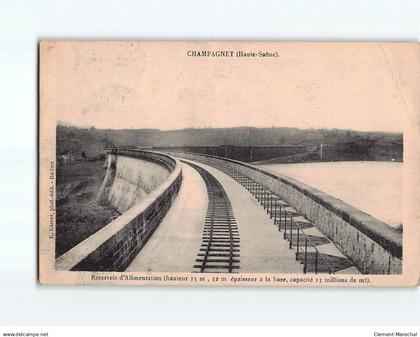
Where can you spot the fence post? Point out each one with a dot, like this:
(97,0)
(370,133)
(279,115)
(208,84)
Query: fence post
(291,233)
(306,253)
(267,198)
(280,217)
(271,206)
(275,212)
(389,264)
(285,223)
(263,198)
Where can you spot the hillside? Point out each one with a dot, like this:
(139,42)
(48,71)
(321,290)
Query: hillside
(346,144)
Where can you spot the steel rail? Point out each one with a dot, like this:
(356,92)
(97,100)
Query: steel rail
(220,244)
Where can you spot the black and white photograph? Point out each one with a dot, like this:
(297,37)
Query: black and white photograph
(210,168)
(177,160)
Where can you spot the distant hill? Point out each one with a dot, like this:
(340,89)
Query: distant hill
(92,141)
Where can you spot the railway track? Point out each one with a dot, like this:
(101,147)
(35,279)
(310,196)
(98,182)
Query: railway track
(220,246)
(313,249)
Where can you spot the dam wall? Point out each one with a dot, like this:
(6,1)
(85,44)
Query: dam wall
(113,247)
(374,246)
(241,153)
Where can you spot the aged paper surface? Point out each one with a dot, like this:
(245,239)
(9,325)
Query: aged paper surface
(229,163)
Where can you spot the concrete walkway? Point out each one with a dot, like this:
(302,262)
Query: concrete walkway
(174,245)
(262,247)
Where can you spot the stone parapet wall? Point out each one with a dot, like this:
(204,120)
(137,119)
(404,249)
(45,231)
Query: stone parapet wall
(113,247)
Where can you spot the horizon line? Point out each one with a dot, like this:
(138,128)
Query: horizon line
(66,124)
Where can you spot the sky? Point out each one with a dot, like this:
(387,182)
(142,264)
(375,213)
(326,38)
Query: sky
(156,85)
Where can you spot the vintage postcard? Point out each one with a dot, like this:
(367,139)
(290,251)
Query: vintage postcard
(229,163)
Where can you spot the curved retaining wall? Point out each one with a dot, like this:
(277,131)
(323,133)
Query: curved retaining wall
(113,247)
(134,179)
(374,246)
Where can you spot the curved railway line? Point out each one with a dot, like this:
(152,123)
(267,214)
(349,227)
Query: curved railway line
(220,246)
(220,243)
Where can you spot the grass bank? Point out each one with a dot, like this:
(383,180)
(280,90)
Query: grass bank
(78,216)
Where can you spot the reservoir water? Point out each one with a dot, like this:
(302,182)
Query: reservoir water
(373,187)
